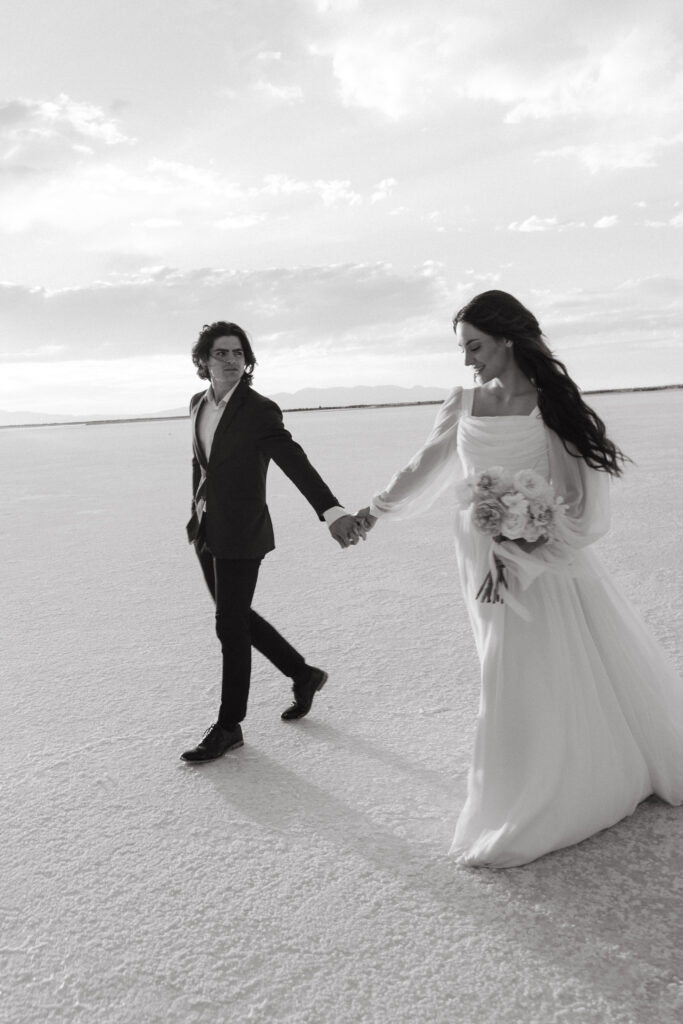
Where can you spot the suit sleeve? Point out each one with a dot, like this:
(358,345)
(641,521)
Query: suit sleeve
(278,444)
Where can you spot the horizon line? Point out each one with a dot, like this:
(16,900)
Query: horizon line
(308,408)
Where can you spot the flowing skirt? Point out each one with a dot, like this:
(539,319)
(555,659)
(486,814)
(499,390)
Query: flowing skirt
(581,713)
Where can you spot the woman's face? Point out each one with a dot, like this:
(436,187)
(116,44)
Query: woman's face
(487,355)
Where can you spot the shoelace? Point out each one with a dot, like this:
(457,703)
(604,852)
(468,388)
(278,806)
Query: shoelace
(211,729)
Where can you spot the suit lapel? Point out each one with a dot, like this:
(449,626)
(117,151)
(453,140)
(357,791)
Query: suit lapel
(198,450)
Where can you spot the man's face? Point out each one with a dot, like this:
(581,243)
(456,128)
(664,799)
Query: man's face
(226,362)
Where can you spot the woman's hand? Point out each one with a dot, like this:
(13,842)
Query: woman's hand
(367,519)
(525,545)
(530,545)
(490,590)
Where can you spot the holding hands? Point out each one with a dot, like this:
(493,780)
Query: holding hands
(365,516)
(348,529)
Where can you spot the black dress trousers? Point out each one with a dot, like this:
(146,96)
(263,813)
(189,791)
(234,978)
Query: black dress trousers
(231,583)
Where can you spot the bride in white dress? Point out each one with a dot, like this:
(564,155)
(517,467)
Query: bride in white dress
(581,713)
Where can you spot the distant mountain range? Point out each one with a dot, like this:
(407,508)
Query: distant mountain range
(313,398)
(307,398)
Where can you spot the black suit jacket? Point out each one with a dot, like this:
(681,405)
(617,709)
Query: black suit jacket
(236,522)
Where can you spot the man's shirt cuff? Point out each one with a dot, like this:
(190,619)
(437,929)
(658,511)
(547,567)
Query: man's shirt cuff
(334,513)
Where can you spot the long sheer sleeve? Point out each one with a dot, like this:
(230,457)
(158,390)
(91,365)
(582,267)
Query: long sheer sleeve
(430,472)
(585,492)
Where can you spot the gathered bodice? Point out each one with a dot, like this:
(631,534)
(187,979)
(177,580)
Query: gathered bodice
(514,442)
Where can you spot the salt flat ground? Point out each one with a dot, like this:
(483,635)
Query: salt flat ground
(304,878)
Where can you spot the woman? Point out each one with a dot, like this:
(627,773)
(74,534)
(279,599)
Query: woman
(581,714)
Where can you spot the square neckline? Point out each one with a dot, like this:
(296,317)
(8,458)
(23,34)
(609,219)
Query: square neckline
(508,416)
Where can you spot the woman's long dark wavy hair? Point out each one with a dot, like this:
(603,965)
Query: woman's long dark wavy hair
(559,399)
(222,329)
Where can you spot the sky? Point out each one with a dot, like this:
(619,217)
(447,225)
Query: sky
(338,177)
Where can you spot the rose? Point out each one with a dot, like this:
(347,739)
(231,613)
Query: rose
(514,500)
(487,515)
(495,480)
(516,515)
(515,521)
(532,531)
(543,515)
(532,484)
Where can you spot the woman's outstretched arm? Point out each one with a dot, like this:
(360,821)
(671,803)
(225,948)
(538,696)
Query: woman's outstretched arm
(429,473)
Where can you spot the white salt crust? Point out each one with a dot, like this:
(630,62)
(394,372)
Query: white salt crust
(304,878)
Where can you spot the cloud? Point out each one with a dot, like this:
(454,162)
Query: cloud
(534,223)
(647,310)
(337,192)
(281,184)
(332,192)
(388,64)
(67,165)
(90,194)
(608,77)
(613,74)
(383,189)
(160,310)
(341,307)
(123,344)
(607,222)
(240,222)
(39,136)
(281,93)
(621,153)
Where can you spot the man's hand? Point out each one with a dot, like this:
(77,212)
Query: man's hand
(347,530)
(366,518)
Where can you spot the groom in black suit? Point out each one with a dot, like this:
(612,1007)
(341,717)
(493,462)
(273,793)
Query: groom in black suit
(236,432)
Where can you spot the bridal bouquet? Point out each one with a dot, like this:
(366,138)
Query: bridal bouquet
(521,506)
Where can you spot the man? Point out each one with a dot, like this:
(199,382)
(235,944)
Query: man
(236,432)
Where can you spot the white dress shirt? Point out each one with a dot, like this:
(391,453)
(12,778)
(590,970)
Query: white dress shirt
(209,418)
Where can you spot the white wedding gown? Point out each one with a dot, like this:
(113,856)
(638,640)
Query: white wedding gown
(581,713)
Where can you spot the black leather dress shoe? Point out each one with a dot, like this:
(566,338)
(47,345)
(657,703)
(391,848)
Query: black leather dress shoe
(304,691)
(215,742)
